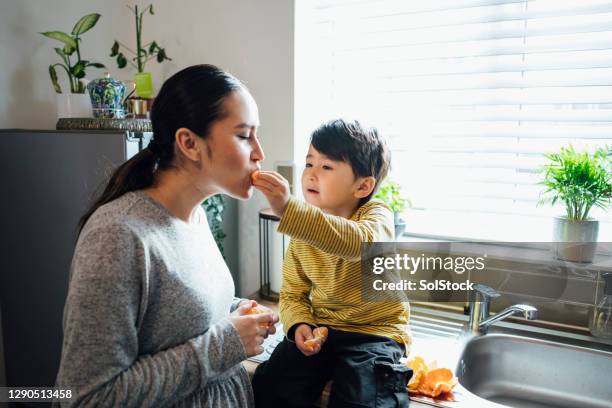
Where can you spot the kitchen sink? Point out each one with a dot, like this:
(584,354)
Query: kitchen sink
(533,373)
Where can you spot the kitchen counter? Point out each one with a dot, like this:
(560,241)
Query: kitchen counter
(434,344)
(438,338)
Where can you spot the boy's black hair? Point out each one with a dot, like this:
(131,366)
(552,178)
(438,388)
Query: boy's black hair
(363,148)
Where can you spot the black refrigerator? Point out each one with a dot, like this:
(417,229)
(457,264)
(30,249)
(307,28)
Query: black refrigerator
(48,178)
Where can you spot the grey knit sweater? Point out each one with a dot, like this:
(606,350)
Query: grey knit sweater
(146,318)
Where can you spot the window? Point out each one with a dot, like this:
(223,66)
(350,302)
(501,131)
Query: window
(470,93)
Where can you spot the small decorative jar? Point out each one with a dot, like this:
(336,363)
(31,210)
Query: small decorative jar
(106,96)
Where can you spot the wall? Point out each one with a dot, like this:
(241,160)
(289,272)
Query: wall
(252,39)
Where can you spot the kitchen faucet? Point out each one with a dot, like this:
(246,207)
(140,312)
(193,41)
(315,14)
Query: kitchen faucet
(480,300)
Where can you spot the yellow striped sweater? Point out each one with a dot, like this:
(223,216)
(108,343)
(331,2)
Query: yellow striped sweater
(322,271)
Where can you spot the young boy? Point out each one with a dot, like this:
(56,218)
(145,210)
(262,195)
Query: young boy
(322,280)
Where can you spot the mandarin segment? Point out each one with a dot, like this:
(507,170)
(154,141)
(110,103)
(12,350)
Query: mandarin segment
(320,335)
(258,310)
(255,310)
(254,176)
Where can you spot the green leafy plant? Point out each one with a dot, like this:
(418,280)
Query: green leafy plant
(74,69)
(390,193)
(579,179)
(143,53)
(214,207)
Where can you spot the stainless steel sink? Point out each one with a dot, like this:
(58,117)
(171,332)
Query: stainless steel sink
(523,372)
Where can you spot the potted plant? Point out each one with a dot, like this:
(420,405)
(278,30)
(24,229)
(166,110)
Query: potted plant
(389,193)
(143,53)
(76,103)
(581,181)
(214,207)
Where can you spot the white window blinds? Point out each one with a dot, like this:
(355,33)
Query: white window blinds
(471,93)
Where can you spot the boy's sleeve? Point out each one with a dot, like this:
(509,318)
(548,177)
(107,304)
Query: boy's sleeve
(337,235)
(294,299)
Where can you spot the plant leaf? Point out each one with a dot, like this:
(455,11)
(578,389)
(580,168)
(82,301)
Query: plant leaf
(114,49)
(96,65)
(78,70)
(53,75)
(152,47)
(85,23)
(121,61)
(151,9)
(61,36)
(62,55)
(68,50)
(161,56)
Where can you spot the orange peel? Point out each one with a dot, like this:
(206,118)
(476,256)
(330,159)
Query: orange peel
(320,335)
(419,369)
(436,383)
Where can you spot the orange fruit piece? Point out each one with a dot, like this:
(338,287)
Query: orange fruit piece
(258,310)
(255,310)
(320,335)
(254,176)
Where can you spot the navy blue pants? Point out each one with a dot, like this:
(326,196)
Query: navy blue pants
(365,370)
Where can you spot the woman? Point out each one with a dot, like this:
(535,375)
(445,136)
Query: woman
(150,318)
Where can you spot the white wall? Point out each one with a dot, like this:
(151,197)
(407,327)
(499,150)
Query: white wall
(253,39)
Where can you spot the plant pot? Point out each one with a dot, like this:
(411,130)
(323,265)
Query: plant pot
(139,108)
(400,225)
(575,241)
(144,84)
(107,97)
(73,105)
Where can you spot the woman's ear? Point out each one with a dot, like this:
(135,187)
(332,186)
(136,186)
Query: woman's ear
(365,186)
(187,144)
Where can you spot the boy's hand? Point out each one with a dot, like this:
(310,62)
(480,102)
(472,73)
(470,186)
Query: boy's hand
(302,333)
(275,188)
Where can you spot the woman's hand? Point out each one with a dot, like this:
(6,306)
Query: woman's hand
(248,307)
(302,333)
(275,188)
(253,331)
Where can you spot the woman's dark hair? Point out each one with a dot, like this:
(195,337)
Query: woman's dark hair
(362,148)
(192,98)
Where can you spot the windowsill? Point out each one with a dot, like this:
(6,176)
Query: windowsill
(460,226)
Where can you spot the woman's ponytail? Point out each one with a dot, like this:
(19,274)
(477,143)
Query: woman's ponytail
(134,174)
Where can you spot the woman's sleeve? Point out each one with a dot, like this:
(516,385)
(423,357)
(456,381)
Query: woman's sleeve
(100,357)
(236,303)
